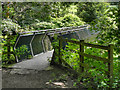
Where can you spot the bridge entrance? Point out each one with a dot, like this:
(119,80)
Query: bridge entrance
(40,41)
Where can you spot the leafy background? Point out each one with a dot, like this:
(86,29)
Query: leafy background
(103,17)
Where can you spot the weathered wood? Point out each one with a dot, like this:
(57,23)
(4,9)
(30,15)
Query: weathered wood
(87,44)
(110,64)
(95,57)
(81,56)
(60,47)
(96,46)
(8,47)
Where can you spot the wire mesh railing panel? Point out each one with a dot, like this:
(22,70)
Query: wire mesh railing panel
(83,34)
(47,44)
(37,45)
(24,40)
(40,41)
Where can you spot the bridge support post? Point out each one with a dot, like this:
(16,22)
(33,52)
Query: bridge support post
(110,65)
(60,47)
(81,57)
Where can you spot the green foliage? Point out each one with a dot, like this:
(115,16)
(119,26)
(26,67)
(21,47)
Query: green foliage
(55,45)
(25,13)
(71,56)
(96,76)
(107,24)
(5,59)
(46,15)
(8,24)
(60,9)
(89,11)
(22,50)
(42,25)
(67,21)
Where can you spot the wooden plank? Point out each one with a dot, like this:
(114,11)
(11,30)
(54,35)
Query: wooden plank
(60,47)
(95,57)
(106,72)
(8,47)
(81,56)
(110,65)
(87,44)
(95,46)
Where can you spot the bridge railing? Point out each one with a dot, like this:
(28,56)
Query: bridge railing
(58,30)
(40,40)
(81,43)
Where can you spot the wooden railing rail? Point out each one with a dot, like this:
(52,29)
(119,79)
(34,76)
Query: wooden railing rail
(81,43)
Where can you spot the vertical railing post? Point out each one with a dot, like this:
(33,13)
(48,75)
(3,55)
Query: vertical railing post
(81,57)
(60,47)
(8,48)
(110,65)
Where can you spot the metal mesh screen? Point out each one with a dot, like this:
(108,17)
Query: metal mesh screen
(47,44)
(41,42)
(83,34)
(24,40)
(36,44)
(79,35)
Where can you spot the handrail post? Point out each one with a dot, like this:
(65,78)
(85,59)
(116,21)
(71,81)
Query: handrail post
(110,65)
(81,57)
(8,48)
(60,47)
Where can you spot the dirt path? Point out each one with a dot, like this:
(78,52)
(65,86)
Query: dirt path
(36,73)
(52,77)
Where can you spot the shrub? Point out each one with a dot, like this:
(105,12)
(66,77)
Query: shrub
(90,11)
(8,24)
(42,25)
(68,21)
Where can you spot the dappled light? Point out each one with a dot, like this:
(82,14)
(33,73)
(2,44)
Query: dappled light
(60,45)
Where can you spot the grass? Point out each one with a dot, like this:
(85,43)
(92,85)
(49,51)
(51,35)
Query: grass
(8,65)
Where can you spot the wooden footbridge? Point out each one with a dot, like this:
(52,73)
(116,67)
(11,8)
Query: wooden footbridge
(40,41)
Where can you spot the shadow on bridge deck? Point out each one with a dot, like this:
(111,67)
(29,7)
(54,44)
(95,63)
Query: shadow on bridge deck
(39,62)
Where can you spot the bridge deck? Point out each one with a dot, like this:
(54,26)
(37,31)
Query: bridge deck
(39,62)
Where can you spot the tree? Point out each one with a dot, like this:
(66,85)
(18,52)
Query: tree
(90,11)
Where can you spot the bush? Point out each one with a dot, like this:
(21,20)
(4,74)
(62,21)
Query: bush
(108,27)
(8,24)
(68,21)
(42,25)
(91,77)
(90,11)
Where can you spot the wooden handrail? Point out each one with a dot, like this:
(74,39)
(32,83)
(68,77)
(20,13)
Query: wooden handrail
(96,46)
(82,54)
(87,44)
(95,57)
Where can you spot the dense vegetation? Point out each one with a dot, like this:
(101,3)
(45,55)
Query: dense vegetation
(103,17)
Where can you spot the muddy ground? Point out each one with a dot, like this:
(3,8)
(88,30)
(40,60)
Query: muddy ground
(51,77)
